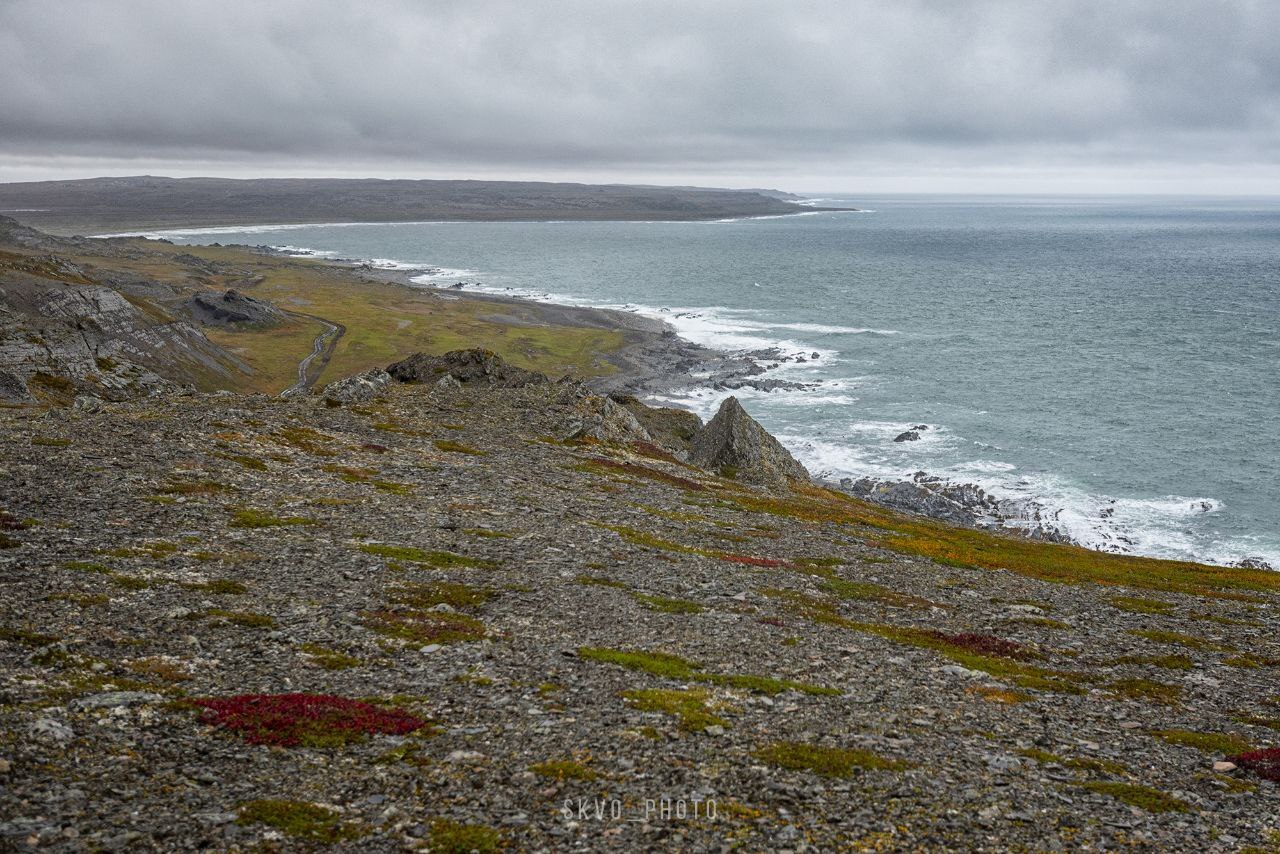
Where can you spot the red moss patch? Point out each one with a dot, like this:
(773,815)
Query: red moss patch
(654,452)
(308,720)
(10,523)
(604,466)
(1264,763)
(984,644)
(752,561)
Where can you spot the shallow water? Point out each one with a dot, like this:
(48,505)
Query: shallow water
(1112,359)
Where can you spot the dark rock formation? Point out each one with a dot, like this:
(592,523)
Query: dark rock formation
(232,309)
(907,436)
(467,367)
(734,445)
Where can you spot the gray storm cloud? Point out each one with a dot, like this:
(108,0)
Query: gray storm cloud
(612,85)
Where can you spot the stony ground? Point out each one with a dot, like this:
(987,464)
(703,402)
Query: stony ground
(574,632)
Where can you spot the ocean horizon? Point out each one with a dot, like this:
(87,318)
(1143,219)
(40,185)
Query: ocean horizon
(1103,366)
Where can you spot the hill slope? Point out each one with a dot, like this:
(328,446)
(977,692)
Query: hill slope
(536,621)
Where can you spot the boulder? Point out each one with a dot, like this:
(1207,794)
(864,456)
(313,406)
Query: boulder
(606,421)
(469,367)
(734,445)
(358,389)
(13,389)
(907,436)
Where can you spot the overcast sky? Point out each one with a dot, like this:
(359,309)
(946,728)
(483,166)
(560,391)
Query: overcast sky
(914,95)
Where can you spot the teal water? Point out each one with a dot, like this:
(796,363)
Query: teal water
(1112,363)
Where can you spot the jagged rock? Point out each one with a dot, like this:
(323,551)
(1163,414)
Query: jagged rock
(358,389)
(232,309)
(465,366)
(733,444)
(13,389)
(607,421)
(907,436)
(1252,563)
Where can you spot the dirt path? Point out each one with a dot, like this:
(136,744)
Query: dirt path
(321,349)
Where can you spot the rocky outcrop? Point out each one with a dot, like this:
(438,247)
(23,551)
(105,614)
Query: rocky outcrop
(358,389)
(606,421)
(232,309)
(912,435)
(734,445)
(672,428)
(482,367)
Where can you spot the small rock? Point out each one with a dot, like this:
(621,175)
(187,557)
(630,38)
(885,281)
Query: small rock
(716,729)
(430,648)
(114,700)
(1223,767)
(48,729)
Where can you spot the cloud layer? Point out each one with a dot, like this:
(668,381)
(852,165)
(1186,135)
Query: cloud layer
(688,88)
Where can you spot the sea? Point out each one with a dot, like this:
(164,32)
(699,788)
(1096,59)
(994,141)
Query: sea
(1111,364)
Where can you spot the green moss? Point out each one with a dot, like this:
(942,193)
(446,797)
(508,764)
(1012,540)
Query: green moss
(249,518)
(439,560)
(26,637)
(1143,797)
(667,605)
(193,487)
(393,487)
(450,837)
(87,566)
(691,705)
(298,819)
(1145,689)
(867,592)
(305,439)
(1251,661)
(129,582)
(425,627)
(656,663)
(327,658)
(453,447)
(640,538)
(441,593)
(766,684)
(826,761)
(599,581)
(1084,763)
(564,769)
(1189,641)
(1138,605)
(1225,744)
(486,533)
(251,463)
(49,442)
